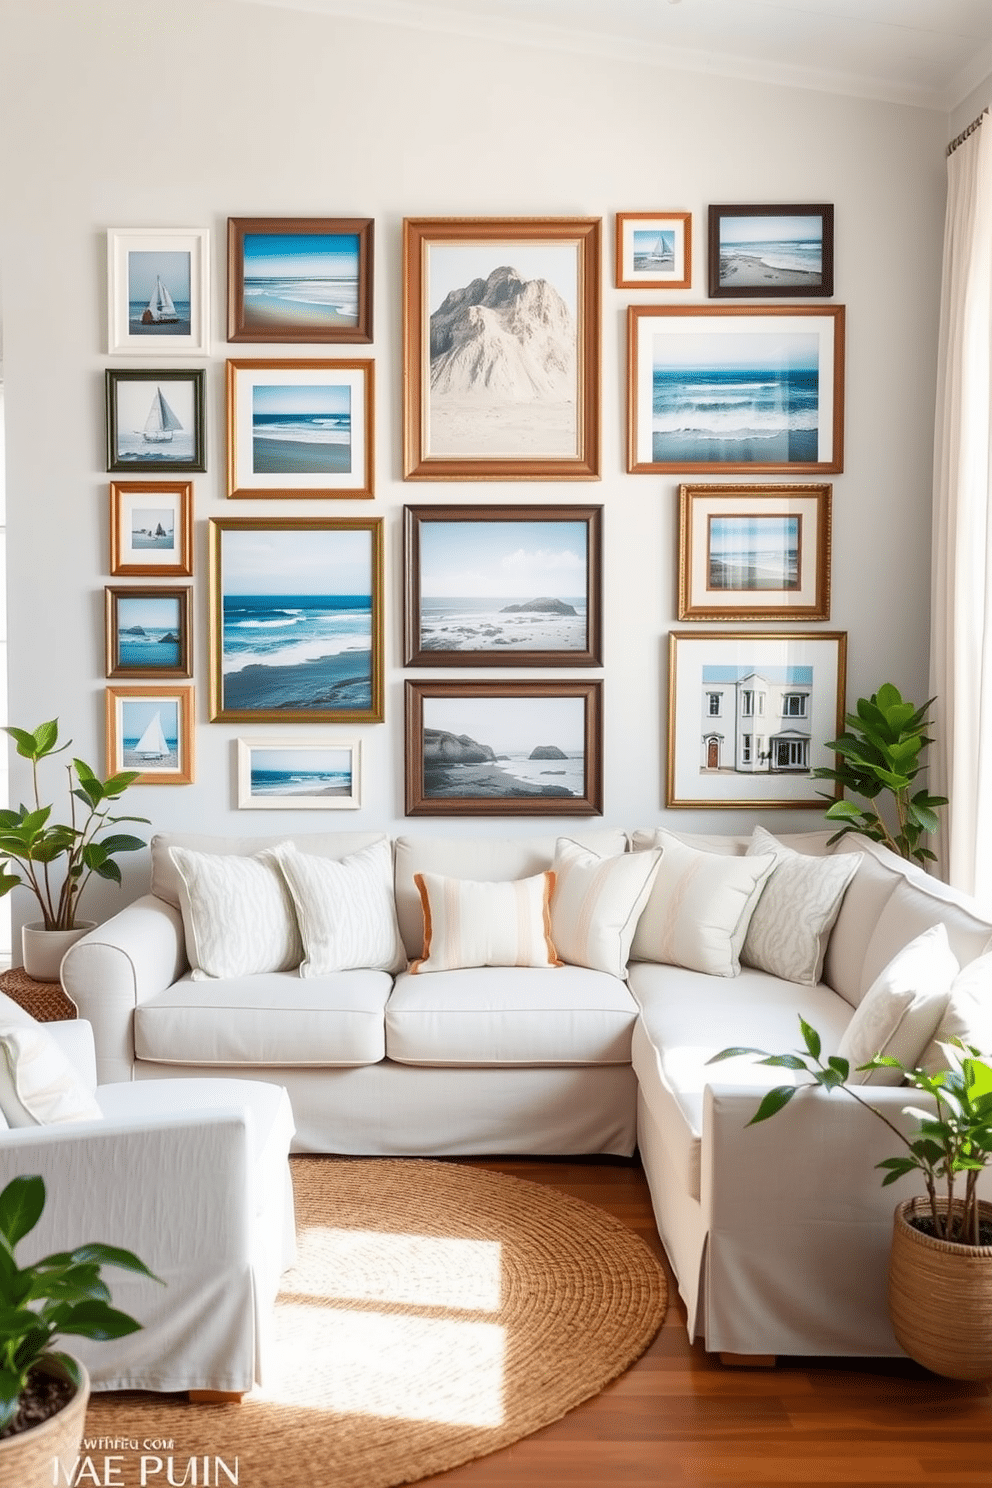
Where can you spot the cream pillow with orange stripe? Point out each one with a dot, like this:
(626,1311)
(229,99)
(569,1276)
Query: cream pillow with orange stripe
(467,923)
(597,903)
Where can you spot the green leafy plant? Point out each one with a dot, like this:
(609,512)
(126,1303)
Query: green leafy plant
(882,750)
(59,1294)
(29,838)
(954,1143)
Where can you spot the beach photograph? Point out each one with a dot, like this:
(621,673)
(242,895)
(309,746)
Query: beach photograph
(300,428)
(153,529)
(293,629)
(767,251)
(299,282)
(504,748)
(149,734)
(148,633)
(754,552)
(280,776)
(653,250)
(155,420)
(158,293)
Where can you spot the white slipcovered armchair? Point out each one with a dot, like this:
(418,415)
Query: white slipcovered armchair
(192,1176)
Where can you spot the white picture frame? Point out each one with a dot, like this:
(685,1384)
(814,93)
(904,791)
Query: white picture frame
(299,773)
(139,260)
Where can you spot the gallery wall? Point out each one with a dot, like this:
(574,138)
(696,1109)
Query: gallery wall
(265,111)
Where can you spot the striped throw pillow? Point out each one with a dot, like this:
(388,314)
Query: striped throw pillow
(597,903)
(467,923)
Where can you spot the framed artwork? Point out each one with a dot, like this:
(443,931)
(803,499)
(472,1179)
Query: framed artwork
(296,619)
(150,729)
(151,528)
(501,345)
(149,632)
(299,279)
(654,250)
(502,586)
(300,428)
(155,420)
(743,388)
(504,748)
(754,552)
(158,291)
(309,774)
(761,252)
(749,714)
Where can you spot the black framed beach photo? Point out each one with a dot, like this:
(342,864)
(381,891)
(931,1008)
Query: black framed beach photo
(502,585)
(296,619)
(151,528)
(735,389)
(299,279)
(150,729)
(764,251)
(306,774)
(654,250)
(155,419)
(501,333)
(749,717)
(504,748)
(754,552)
(149,631)
(300,428)
(158,291)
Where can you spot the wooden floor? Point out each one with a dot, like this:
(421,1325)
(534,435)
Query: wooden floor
(680,1417)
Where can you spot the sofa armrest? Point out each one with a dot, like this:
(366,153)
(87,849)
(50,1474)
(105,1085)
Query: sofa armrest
(109,971)
(74,1037)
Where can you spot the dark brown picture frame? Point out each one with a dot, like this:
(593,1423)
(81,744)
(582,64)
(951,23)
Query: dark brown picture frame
(121,423)
(502,650)
(182,595)
(751,278)
(490,787)
(284,326)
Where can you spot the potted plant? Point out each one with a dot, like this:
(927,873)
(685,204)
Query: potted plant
(882,750)
(43,1392)
(31,840)
(940,1268)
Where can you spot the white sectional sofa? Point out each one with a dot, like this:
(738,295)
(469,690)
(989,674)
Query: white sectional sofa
(778,1234)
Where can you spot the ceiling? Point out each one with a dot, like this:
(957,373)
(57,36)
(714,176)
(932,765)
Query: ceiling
(929,53)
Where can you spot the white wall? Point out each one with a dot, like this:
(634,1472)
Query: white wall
(244,110)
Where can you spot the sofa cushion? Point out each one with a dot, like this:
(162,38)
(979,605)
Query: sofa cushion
(278,1019)
(238,915)
(901,1011)
(799,903)
(916,903)
(38,1085)
(345,908)
(866,896)
(467,923)
(510,1015)
(968,1015)
(597,903)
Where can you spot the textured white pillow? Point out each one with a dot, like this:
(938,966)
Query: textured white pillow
(597,903)
(700,907)
(38,1085)
(346,909)
(471,923)
(968,1015)
(237,914)
(793,918)
(902,1008)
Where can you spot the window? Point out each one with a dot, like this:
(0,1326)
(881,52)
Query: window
(794,705)
(713,701)
(746,742)
(747,703)
(791,754)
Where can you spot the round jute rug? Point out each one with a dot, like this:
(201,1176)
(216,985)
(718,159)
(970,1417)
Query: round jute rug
(436,1312)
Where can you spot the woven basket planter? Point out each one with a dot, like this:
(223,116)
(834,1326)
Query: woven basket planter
(47,1453)
(940,1297)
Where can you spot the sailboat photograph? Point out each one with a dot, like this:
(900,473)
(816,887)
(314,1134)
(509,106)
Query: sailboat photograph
(161,307)
(158,293)
(150,729)
(161,422)
(152,745)
(155,419)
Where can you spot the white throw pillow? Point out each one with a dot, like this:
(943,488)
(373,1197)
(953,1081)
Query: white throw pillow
(38,1085)
(237,913)
(700,907)
(793,917)
(902,1008)
(472,923)
(968,1015)
(346,909)
(597,903)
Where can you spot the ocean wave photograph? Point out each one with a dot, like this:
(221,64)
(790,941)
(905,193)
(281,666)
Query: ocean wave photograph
(772,252)
(301,429)
(308,281)
(504,747)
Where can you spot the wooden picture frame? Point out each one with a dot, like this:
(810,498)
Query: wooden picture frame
(158,291)
(155,419)
(150,729)
(501,775)
(749,717)
(546,560)
(151,529)
(300,428)
(760,252)
(654,250)
(299,279)
(540,278)
(754,552)
(149,632)
(751,389)
(296,619)
(311,773)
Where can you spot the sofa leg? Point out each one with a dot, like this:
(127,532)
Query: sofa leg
(216,1397)
(748,1361)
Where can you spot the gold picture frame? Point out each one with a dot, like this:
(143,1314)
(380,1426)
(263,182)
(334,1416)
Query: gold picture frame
(150,729)
(151,529)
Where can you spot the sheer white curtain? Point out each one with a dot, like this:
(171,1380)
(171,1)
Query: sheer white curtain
(961,624)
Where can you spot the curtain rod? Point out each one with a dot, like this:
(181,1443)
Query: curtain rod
(965,132)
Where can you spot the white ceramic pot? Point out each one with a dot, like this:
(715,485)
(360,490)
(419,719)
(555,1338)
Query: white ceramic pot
(48,1453)
(43,949)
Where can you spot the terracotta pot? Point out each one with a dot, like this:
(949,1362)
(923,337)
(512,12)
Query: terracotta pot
(42,950)
(47,1454)
(940,1297)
